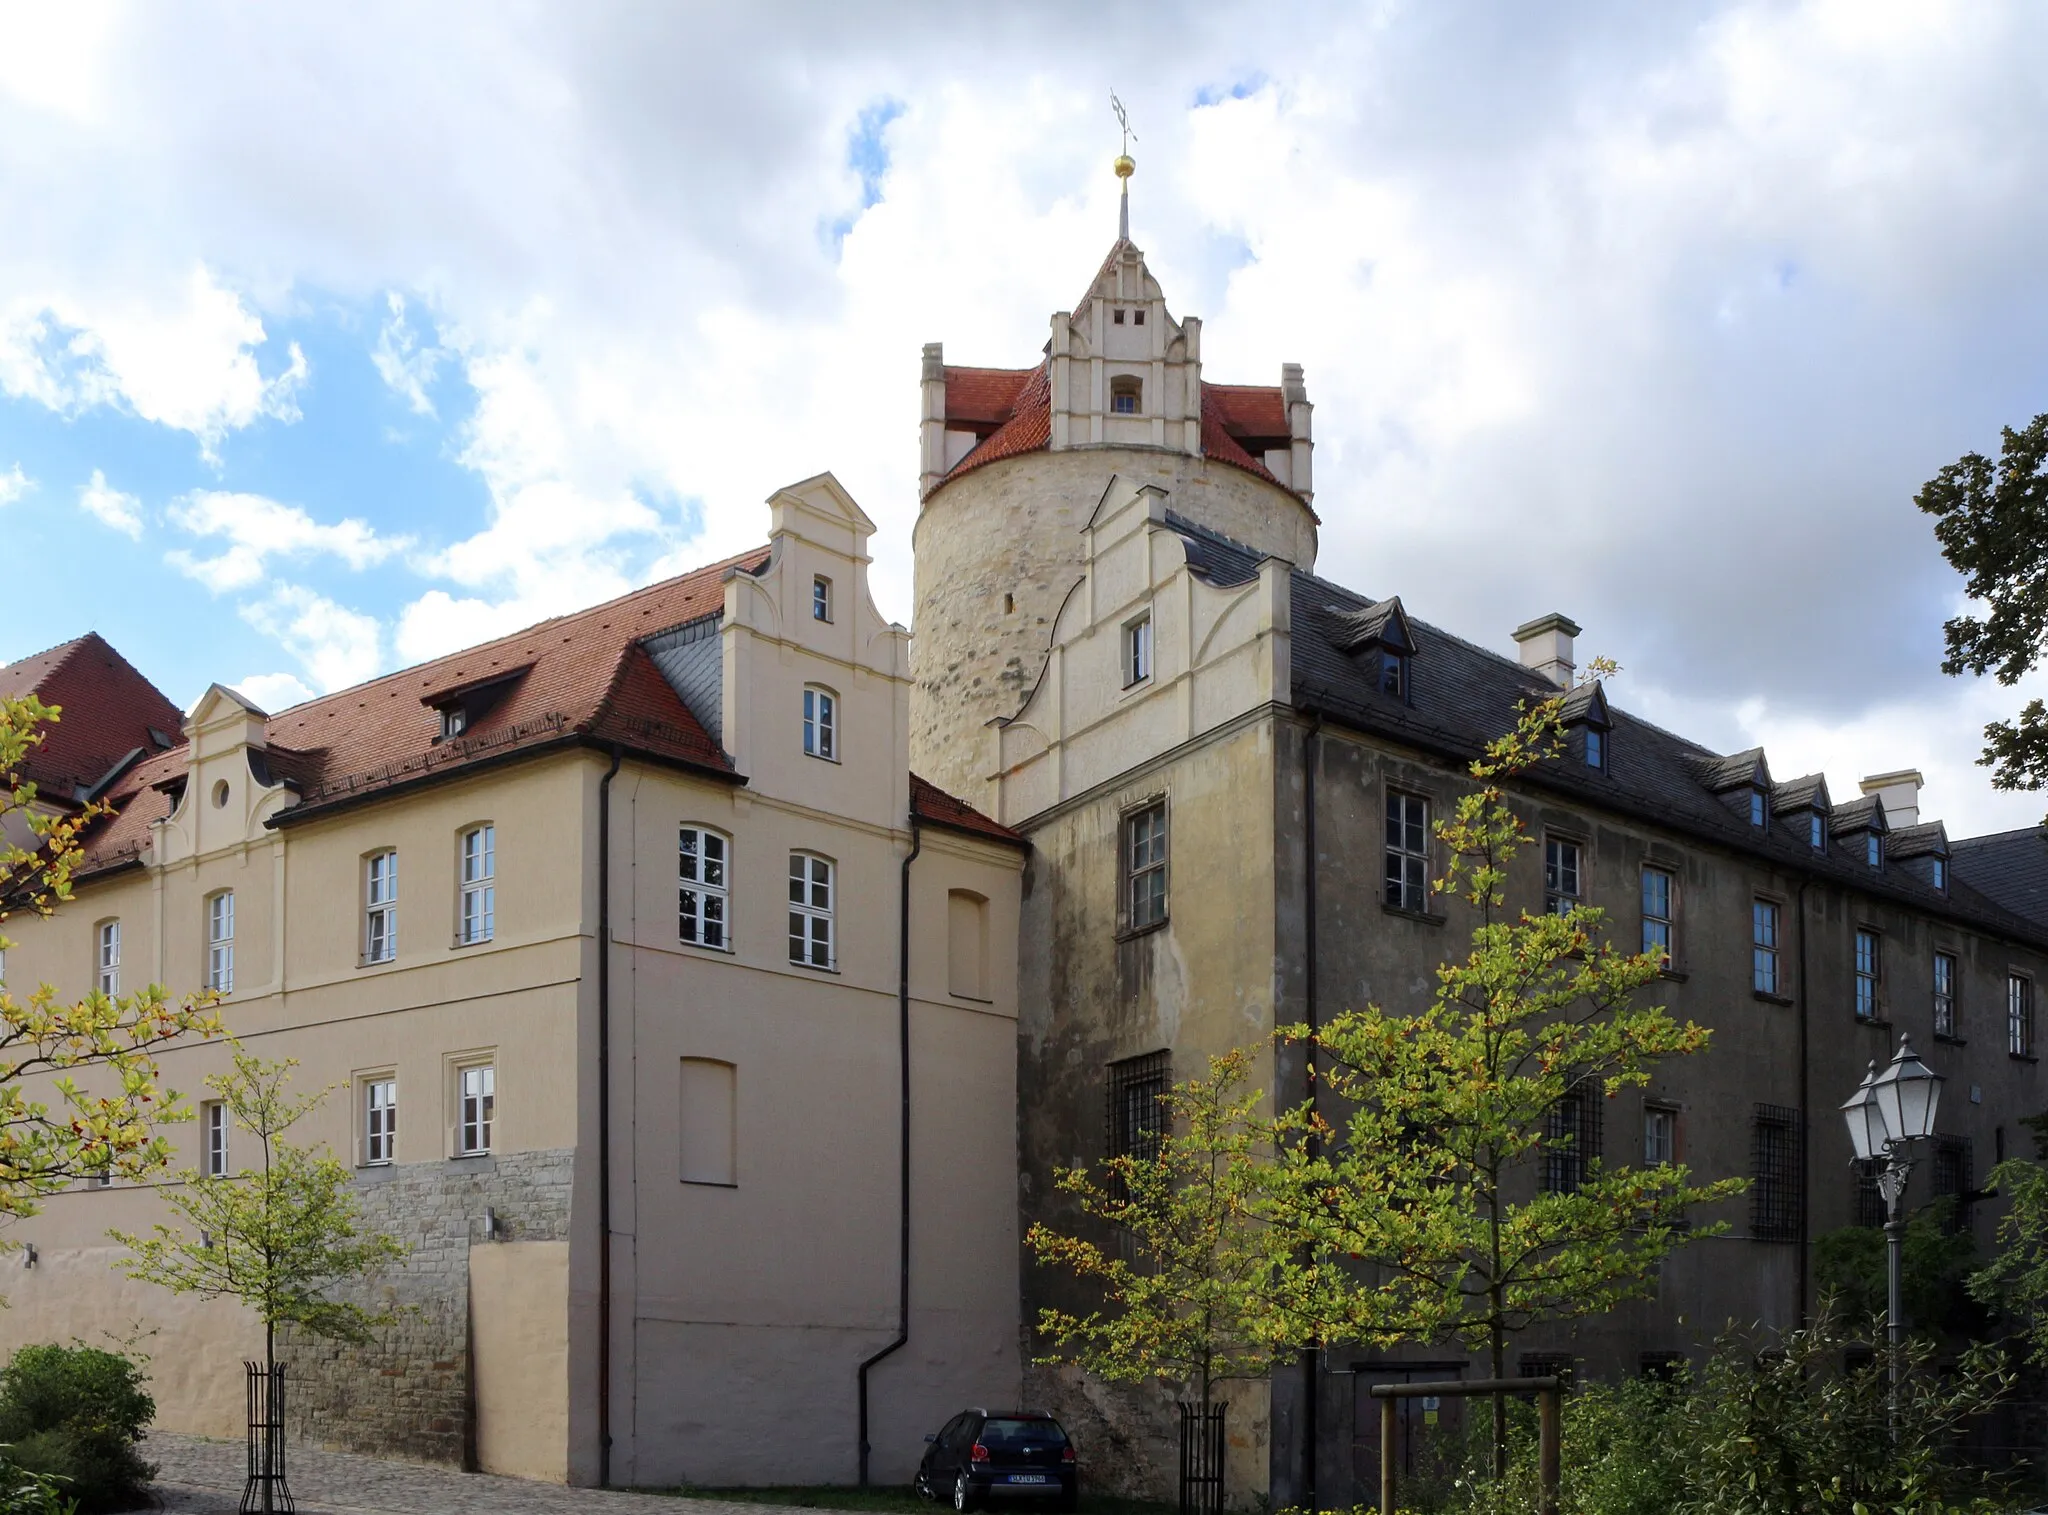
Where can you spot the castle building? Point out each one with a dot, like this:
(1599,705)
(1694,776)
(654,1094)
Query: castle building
(1227,769)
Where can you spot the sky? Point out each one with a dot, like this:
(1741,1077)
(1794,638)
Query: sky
(333,339)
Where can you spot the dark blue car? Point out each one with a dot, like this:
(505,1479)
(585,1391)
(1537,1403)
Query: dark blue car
(982,1457)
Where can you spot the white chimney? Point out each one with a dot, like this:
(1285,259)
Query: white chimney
(1899,793)
(1546,644)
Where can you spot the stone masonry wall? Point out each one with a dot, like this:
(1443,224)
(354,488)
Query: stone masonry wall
(408,1394)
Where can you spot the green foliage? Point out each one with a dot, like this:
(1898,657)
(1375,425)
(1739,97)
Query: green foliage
(2015,1281)
(74,1415)
(1993,528)
(61,1132)
(1934,1277)
(1417,1205)
(1188,1293)
(279,1236)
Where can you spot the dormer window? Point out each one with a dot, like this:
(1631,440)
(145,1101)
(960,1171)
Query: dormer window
(1125,395)
(1393,674)
(821,599)
(1596,747)
(1759,808)
(454,721)
(1873,849)
(1817,830)
(1941,873)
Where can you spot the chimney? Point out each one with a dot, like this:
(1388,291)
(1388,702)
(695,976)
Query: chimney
(932,420)
(1899,793)
(1546,644)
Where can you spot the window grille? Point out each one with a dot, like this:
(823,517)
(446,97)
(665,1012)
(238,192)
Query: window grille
(1870,1207)
(1660,1367)
(1944,994)
(810,910)
(1869,964)
(108,976)
(1407,872)
(702,895)
(1657,911)
(1561,881)
(1775,1199)
(478,1094)
(821,724)
(380,907)
(380,1120)
(220,943)
(1546,1365)
(2019,1015)
(479,884)
(1571,1138)
(1137,1118)
(1763,950)
(1145,867)
(1951,1164)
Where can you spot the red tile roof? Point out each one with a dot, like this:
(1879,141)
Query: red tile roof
(931,804)
(108,710)
(1248,410)
(980,398)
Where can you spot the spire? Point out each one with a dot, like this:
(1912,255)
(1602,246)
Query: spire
(1125,166)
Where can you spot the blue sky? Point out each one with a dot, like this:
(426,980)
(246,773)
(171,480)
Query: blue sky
(388,332)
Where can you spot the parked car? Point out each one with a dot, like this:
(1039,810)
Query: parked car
(983,1456)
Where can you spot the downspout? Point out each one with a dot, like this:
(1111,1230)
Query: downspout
(903,1140)
(1805,1119)
(604,1120)
(1311,752)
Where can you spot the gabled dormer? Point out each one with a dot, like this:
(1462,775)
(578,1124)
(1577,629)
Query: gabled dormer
(1803,805)
(1587,724)
(1923,851)
(231,788)
(1742,782)
(467,704)
(1862,827)
(1379,638)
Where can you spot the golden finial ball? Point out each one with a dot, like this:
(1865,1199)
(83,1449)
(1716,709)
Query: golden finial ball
(1125,165)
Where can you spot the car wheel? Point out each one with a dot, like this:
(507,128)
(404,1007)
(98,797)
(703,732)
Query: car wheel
(963,1493)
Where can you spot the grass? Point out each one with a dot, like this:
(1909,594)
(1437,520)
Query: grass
(895,1499)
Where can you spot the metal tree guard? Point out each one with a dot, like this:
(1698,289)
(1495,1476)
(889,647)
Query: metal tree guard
(1201,1459)
(266,1490)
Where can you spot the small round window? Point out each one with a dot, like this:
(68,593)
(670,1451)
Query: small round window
(220,794)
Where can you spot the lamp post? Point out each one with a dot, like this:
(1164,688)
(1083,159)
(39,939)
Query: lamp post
(1889,1115)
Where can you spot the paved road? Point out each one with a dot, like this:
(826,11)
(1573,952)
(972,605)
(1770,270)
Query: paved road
(200,1477)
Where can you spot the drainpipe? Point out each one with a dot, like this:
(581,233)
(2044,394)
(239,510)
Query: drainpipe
(604,1120)
(1311,752)
(1805,1120)
(903,1140)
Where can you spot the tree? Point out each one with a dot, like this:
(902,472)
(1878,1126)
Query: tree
(1187,1298)
(1417,1198)
(50,1139)
(2015,1282)
(1849,1268)
(1993,528)
(278,1236)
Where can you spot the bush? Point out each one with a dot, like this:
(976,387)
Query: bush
(75,1414)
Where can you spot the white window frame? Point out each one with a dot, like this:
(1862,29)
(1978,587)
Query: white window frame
(1668,921)
(220,942)
(107,957)
(2019,1015)
(821,598)
(1405,872)
(1660,1135)
(215,1125)
(1869,976)
(1766,926)
(380,906)
(476,872)
(704,888)
(821,723)
(1145,854)
(379,1105)
(1945,992)
(813,902)
(1564,874)
(1138,650)
(476,1107)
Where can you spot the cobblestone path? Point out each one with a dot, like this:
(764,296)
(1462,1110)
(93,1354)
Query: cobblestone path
(200,1477)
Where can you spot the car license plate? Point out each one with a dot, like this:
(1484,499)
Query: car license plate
(1027,1478)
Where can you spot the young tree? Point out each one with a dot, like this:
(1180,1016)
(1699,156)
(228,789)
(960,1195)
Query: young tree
(1439,1185)
(279,1235)
(2015,1282)
(1993,529)
(1187,1300)
(54,1133)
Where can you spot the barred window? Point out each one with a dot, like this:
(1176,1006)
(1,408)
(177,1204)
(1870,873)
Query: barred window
(2019,1015)
(1944,994)
(1869,966)
(1137,1118)
(1561,879)
(1869,1203)
(1145,867)
(1546,1365)
(1571,1139)
(380,907)
(1407,874)
(1775,1200)
(1952,1162)
(1763,946)
(703,898)
(1657,911)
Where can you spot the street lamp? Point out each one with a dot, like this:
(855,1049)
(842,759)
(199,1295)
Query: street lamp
(1889,1115)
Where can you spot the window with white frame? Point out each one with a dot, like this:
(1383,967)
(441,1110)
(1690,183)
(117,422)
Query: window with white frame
(380,907)
(1138,651)
(1869,971)
(1145,867)
(213,1122)
(220,942)
(476,1108)
(703,897)
(1407,870)
(1763,946)
(1944,994)
(1659,911)
(107,970)
(478,918)
(2019,1015)
(380,1119)
(1660,1136)
(810,910)
(821,598)
(821,723)
(1562,886)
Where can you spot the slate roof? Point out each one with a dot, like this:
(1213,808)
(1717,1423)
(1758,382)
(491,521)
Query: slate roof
(1460,696)
(110,714)
(1807,792)
(2009,866)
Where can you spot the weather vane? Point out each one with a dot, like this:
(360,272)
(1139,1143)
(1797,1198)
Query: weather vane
(1125,166)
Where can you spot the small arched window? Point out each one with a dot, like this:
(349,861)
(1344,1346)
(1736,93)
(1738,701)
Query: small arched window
(821,723)
(1126,396)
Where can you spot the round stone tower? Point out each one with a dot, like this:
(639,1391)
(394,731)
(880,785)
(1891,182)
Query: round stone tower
(1014,463)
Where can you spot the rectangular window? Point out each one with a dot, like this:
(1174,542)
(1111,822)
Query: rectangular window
(821,598)
(821,721)
(2019,1015)
(107,973)
(703,897)
(1759,808)
(380,908)
(380,1120)
(1657,911)
(1763,946)
(1571,1139)
(1561,893)
(479,915)
(102,1175)
(1145,868)
(810,910)
(1138,651)
(1944,994)
(476,1109)
(1596,747)
(213,1121)
(709,1122)
(1817,830)
(454,721)
(1137,1118)
(1952,1162)
(1940,873)
(1774,1196)
(966,944)
(1407,875)
(1869,964)
(220,942)
(1660,1136)
(1869,1200)
(1873,850)
(1393,674)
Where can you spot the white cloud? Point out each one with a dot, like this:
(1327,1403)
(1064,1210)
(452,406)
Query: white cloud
(110,507)
(405,364)
(258,529)
(273,692)
(336,645)
(14,484)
